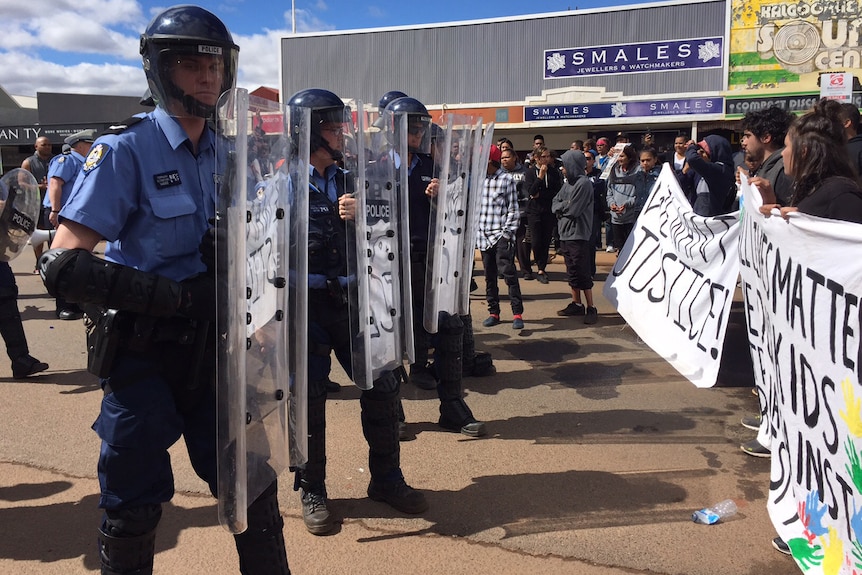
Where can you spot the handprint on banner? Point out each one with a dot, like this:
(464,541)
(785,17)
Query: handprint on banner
(807,555)
(856,527)
(854,469)
(853,416)
(833,553)
(811,513)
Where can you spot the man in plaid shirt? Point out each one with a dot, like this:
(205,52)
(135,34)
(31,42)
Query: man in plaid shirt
(495,238)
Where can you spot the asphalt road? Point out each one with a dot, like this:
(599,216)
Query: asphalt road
(597,454)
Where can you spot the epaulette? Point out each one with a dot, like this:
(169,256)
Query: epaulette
(122,126)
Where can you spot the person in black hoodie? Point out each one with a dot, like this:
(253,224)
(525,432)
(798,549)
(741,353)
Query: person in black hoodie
(714,190)
(542,182)
(849,116)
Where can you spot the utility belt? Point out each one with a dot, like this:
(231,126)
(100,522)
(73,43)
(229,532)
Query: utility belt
(333,294)
(111,332)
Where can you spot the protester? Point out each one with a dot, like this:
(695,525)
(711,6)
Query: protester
(714,182)
(815,157)
(622,195)
(573,206)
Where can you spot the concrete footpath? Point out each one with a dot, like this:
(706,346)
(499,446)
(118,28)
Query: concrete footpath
(597,454)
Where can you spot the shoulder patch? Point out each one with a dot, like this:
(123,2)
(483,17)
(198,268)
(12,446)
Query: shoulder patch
(96,155)
(61,159)
(122,126)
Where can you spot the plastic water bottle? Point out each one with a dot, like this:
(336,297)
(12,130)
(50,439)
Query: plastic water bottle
(714,514)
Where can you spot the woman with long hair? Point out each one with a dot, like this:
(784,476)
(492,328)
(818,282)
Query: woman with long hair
(622,195)
(825,184)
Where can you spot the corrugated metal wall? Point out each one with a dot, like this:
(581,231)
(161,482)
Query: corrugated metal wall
(496,61)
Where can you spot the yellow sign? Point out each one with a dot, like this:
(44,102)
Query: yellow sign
(783,47)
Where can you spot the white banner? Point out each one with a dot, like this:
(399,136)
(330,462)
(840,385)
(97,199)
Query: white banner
(802,280)
(674,280)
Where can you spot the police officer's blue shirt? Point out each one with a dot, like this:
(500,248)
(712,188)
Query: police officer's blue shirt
(148,195)
(66,167)
(324,183)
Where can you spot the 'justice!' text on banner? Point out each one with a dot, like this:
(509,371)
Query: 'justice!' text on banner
(674,280)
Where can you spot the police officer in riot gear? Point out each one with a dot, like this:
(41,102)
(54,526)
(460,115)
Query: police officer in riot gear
(330,204)
(148,188)
(446,372)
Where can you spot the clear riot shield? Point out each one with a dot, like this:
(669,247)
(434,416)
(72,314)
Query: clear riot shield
(400,156)
(19,211)
(448,243)
(261,424)
(375,297)
(481,152)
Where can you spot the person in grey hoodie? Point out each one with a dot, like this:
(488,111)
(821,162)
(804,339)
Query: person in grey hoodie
(573,206)
(622,195)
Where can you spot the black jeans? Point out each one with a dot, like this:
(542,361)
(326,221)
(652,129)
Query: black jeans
(542,226)
(499,259)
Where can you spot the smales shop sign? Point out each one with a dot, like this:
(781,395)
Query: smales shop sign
(632,58)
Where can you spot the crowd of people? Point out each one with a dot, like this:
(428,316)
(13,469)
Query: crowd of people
(527,213)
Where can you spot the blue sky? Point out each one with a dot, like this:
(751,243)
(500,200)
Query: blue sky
(91,46)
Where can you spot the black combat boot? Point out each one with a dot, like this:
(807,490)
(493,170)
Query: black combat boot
(312,477)
(454,413)
(12,331)
(473,363)
(380,427)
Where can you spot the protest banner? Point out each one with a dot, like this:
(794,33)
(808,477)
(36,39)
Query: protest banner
(674,280)
(805,334)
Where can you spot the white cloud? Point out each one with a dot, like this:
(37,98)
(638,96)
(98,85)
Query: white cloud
(24,75)
(376,12)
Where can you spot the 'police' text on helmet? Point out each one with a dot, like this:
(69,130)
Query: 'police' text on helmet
(185,32)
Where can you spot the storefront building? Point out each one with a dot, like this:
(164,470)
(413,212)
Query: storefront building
(669,67)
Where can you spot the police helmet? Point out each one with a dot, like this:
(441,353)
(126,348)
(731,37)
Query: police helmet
(418,121)
(186,30)
(388,97)
(326,108)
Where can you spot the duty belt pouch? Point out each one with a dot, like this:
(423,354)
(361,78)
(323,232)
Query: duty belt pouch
(336,292)
(103,341)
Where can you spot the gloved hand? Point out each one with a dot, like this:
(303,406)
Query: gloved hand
(212,258)
(198,297)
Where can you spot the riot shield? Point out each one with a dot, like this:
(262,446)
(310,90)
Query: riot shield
(399,155)
(375,294)
(481,152)
(19,211)
(261,423)
(448,242)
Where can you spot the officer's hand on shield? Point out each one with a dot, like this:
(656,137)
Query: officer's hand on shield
(347,207)
(207,247)
(433,188)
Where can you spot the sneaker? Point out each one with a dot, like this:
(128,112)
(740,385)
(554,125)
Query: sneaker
(610,249)
(491,320)
(528,275)
(755,449)
(332,386)
(27,365)
(315,513)
(752,422)
(518,322)
(781,545)
(542,277)
(472,428)
(573,309)
(592,316)
(398,495)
